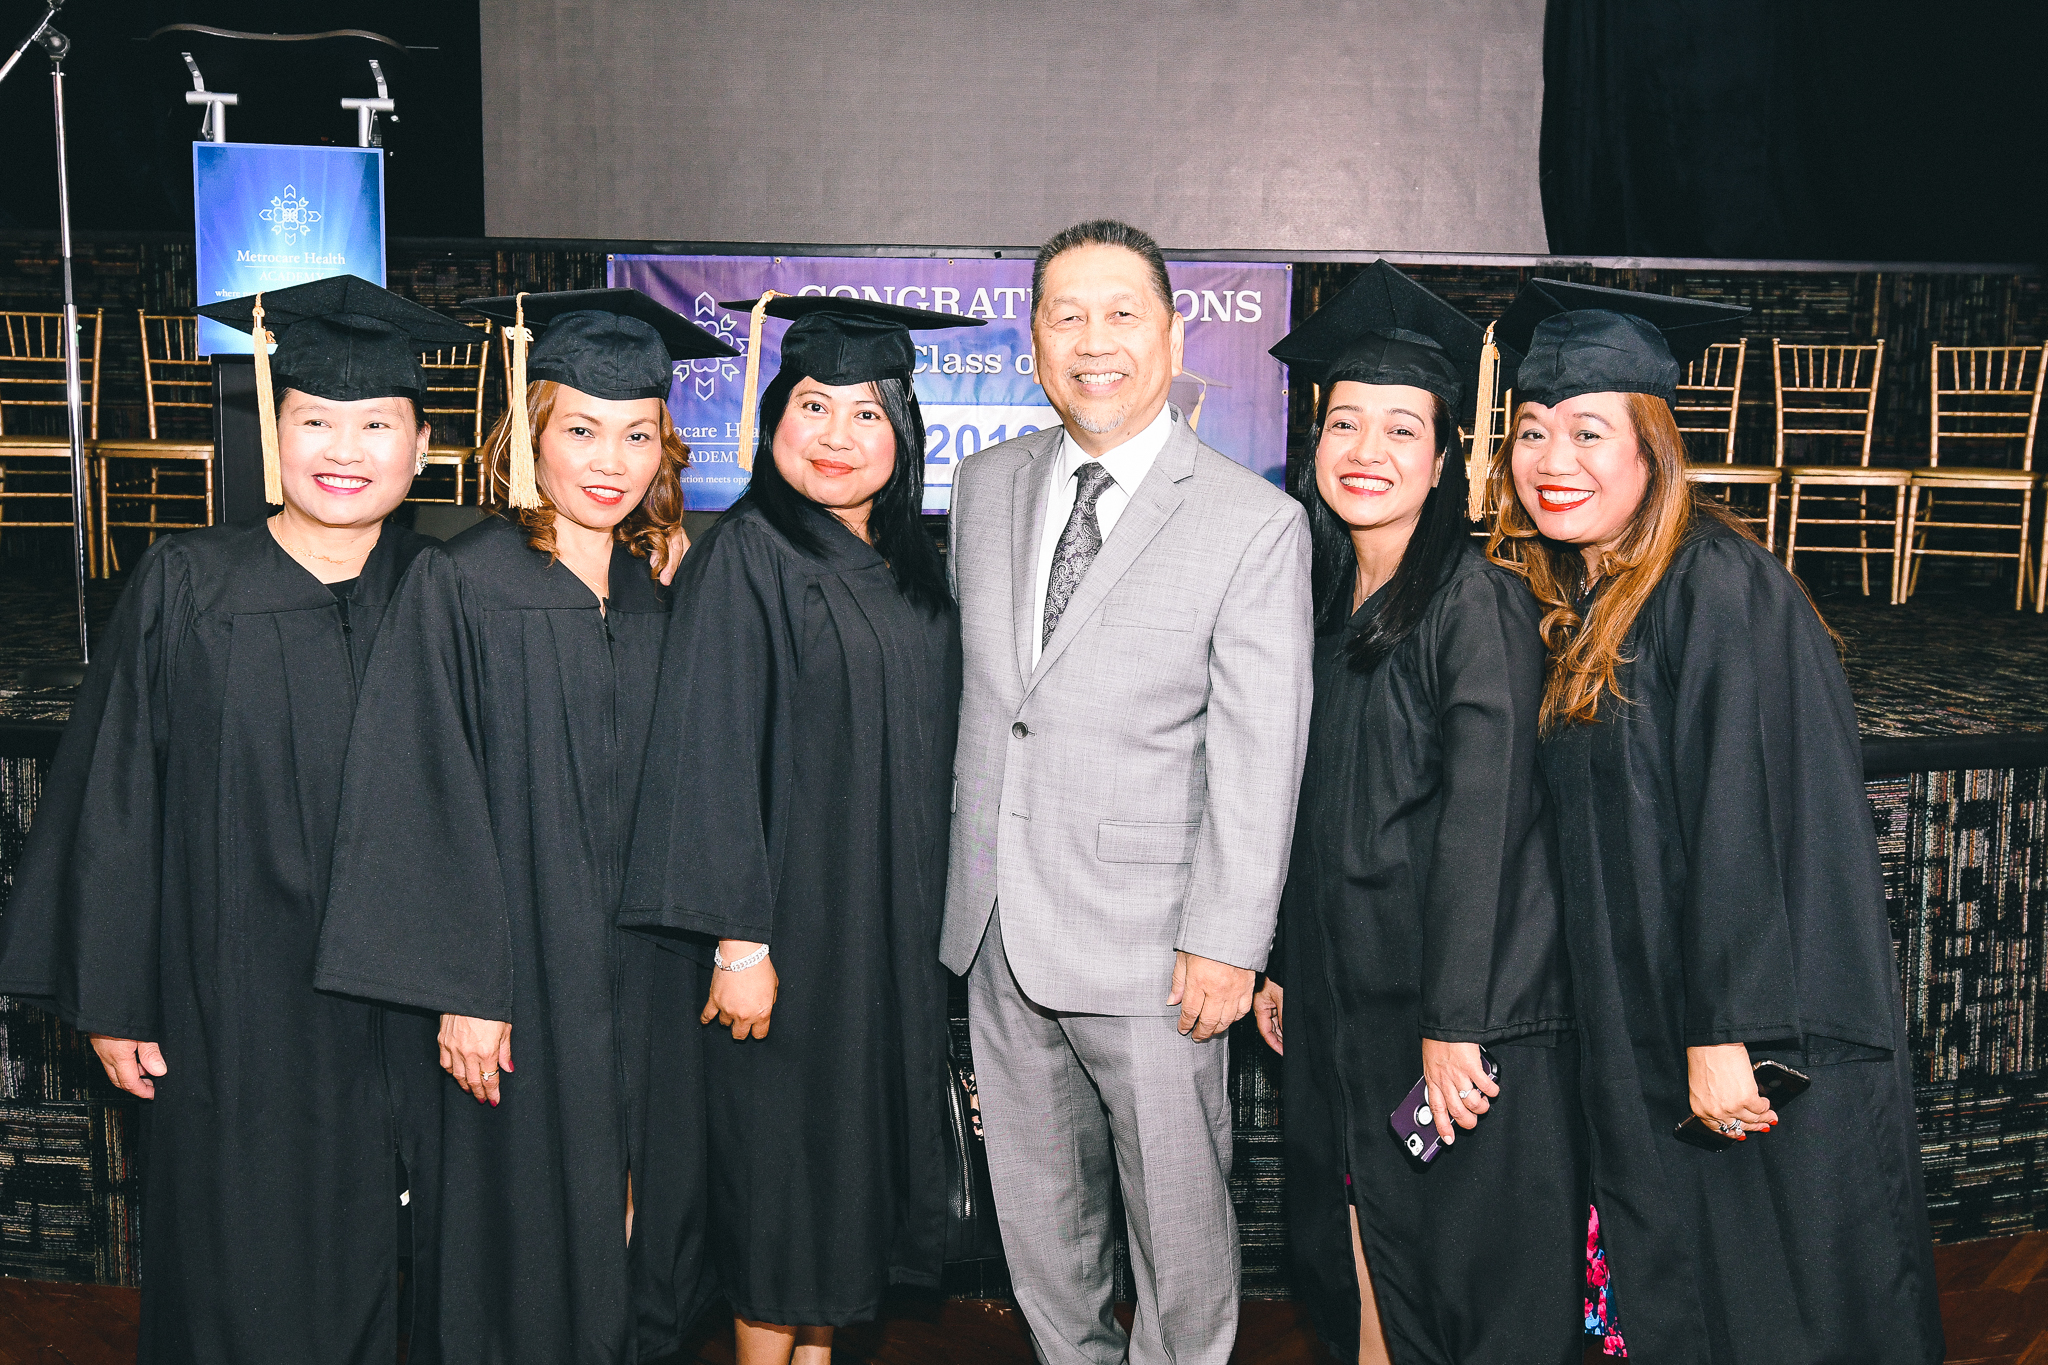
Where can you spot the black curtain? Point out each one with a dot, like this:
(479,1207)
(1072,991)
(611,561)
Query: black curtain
(1792,130)
(131,132)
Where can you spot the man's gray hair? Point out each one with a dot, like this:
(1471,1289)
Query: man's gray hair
(1102,232)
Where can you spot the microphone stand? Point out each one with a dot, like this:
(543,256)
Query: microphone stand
(59,47)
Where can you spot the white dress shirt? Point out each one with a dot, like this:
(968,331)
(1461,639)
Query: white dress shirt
(1127,465)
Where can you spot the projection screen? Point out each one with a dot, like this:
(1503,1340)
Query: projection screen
(1271,125)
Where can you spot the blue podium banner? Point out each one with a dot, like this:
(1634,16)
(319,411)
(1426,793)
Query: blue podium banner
(975,385)
(270,216)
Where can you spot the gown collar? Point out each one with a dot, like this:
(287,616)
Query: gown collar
(838,548)
(277,582)
(512,574)
(1367,610)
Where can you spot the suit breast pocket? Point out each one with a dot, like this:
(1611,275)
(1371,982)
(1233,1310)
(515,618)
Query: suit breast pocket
(1131,841)
(1128,609)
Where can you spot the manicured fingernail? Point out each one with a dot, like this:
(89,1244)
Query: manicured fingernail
(1449,1140)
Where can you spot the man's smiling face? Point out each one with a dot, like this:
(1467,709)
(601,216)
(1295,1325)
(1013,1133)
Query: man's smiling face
(1106,345)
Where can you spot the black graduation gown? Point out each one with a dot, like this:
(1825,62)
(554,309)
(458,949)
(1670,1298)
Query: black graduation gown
(1721,885)
(1421,901)
(172,890)
(798,795)
(483,834)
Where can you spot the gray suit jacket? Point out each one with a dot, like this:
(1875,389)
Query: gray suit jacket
(1134,793)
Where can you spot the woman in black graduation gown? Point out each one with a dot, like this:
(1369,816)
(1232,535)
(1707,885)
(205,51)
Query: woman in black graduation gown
(795,810)
(171,893)
(1722,899)
(1420,920)
(483,838)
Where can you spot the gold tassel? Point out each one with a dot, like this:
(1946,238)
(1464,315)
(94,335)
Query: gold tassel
(266,409)
(1479,464)
(1201,396)
(748,402)
(521,491)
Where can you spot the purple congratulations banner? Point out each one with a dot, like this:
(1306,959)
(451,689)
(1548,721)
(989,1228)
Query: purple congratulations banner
(975,385)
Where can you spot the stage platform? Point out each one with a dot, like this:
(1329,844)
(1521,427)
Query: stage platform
(1992,1310)
(1950,699)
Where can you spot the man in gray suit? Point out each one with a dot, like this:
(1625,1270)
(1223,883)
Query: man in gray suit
(1135,618)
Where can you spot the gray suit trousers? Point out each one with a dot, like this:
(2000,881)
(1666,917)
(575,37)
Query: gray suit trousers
(1070,1102)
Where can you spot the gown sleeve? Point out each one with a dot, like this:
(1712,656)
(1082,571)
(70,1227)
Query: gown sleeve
(1782,923)
(1492,961)
(82,927)
(417,912)
(700,861)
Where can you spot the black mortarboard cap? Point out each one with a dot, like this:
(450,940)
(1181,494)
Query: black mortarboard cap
(1580,338)
(851,341)
(835,341)
(343,338)
(615,344)
(1384,328)
(340,338)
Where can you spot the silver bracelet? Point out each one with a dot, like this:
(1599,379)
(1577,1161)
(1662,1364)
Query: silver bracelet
(751,959)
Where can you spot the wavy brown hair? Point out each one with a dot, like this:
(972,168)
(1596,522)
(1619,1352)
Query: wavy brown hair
(1585,652)
(644,531)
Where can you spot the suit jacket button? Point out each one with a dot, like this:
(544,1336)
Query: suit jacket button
(1020,729)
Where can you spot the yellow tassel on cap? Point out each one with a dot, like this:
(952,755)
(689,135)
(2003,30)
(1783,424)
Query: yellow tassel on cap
(1479,464)
(266,409)
(521,490)
(1201,397)
(748,402)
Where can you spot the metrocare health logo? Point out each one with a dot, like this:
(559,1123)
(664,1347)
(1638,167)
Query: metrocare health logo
(290,215)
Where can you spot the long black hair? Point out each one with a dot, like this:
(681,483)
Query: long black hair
(1442,529)
(895,520)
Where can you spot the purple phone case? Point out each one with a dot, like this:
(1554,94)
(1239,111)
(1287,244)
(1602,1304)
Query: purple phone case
(1415,1126)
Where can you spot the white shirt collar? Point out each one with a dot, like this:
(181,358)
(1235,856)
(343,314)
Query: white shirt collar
(1128,463)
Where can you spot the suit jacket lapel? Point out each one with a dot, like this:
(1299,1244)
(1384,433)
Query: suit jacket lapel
(1157,497)
(1027,527)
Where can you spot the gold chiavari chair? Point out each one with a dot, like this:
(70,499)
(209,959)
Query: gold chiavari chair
(35,442)
(165,483)
(1830,392)
(1979,393)
(1709,403)
(454,403)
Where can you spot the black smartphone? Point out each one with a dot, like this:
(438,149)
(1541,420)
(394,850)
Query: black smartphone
(1775,1081)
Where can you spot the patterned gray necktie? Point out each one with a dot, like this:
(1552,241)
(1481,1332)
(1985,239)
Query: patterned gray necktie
(1079,544)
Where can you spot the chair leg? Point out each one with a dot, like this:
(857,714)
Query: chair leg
(2041,574)
(1863,537)
(102,538)
(2019,595)
(1898,540)
(1907,578)
(1792,532)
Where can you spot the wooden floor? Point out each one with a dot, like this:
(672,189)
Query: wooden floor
(1994,1304)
